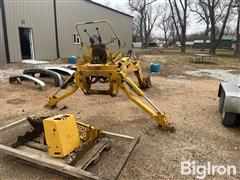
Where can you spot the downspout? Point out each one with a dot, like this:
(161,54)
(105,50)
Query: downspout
(5,35)
(56,27)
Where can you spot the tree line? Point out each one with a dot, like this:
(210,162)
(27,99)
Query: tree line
(172,17)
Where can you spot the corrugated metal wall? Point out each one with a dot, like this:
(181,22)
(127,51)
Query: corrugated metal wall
(34,14)
(39,15)
(2,47)
(71,12)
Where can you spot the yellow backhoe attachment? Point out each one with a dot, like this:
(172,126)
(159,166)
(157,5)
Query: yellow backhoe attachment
(100,66)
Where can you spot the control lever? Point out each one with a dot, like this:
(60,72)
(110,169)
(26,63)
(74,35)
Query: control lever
(99,36)
(90,37)
(95,37)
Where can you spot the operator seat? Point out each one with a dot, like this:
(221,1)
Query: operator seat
(99,54)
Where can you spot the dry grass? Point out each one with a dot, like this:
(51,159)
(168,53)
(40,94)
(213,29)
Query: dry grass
(191,104)
(175,63)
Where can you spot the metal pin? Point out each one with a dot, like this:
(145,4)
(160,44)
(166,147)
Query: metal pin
(153,105)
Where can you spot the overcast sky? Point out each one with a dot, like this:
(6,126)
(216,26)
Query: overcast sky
(122,5)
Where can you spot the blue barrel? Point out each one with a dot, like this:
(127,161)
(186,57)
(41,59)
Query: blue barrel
(72,59)
(155,67)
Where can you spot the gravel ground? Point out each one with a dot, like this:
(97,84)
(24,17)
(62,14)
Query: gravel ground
(191,104)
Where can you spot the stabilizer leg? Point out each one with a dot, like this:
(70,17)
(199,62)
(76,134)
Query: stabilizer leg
(52,102)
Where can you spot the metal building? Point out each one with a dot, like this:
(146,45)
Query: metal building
(46,29)
(2,46)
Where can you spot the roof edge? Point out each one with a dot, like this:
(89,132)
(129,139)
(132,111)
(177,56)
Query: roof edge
(90,1)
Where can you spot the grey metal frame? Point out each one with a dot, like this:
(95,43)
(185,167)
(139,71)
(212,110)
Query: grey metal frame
(19,78)
(229,103)
(61,70)
(44,72)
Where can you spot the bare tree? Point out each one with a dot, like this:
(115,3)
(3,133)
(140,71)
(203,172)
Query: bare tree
(237,47)
(230,30)
(148,16)
(136,28)
(173,33)
(219,11)
(165,23)
(179,14)
(151,15)
(201,10)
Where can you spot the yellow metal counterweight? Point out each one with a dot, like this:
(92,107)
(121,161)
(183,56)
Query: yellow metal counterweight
(61,135)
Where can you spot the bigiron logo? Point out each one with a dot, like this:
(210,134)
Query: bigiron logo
(202,171)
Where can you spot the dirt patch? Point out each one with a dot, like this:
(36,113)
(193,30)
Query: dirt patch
(191,104)
(235,72)
(16,101)
(15,66)
(5,74)
(224,75)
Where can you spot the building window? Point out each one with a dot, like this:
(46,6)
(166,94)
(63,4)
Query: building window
(76,38)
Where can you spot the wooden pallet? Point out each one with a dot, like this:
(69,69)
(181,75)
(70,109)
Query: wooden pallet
(36,154)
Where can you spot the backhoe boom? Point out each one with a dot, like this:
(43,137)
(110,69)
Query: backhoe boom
(100,66)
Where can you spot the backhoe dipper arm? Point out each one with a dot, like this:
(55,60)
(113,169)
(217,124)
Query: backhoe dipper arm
(52,102)
(157,115)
